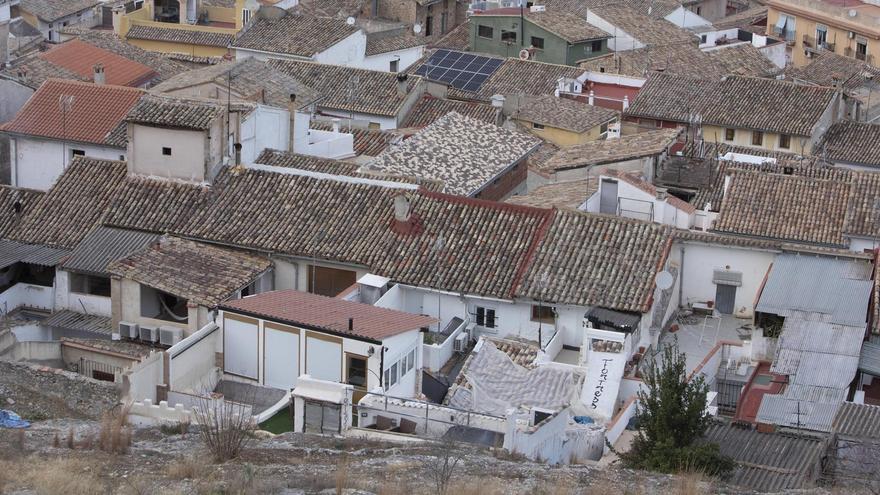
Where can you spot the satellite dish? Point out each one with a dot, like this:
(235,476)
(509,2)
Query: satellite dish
(417,28)
(350,21)
(853,12)
(664,280)
(524,54)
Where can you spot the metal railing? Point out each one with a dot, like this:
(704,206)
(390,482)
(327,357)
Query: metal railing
(97,370)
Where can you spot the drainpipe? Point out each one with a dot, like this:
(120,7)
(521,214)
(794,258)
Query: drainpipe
(681,277)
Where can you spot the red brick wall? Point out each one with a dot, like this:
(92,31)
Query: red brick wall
(504,184)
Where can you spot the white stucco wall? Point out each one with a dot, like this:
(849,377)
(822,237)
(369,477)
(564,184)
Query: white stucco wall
(266,127)
(13,96)
(636,203)
(130,310)
(80,303)
(861,244)
(684,18)
(187,160)
(348,52)
(37,163)
(700,260)
(382,61)
(86,18)
(621,40)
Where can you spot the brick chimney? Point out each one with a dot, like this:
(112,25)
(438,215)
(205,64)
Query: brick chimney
(404,220)
(401,85)
(99,77)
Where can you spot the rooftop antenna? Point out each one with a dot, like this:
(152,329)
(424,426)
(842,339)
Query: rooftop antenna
(352,97)
(65,102)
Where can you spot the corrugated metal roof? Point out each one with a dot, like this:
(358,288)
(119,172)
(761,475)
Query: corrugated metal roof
(817,353)
(857,420)
(785,411)
(769,461)
(869,361)
(12,252)
(839,288)
(71,320)
(104,245)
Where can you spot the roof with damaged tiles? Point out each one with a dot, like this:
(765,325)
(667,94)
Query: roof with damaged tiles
(430,108)
(464,153)
(563,113)
(612,150)
(569,194)
(179,113)
(851,142)
(293,34)
(177,35)
(52,10)
(202,273)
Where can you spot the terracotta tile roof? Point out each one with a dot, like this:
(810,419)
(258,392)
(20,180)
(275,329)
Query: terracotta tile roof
(368,142)
(744,60)
(826,67)
(658,8)
(81,57)
(745,102)
(563,113)
(378,44)
(327,313)
(250,79)
(95,112)
(37,70)
(745,20)
(277,158)
(92,191)
(159,63)
(527,77)
(569,194)
(52,10)
(795,208)
(339,9)
(429,109)
(301,35)
(612,150)
(464,153)
(177,35)
(457,39)
(9,196)
(597,260)
(202,273)
(851,142)
(376,91)
(646,29)
(181,113)
(639,183)
(681,59)
(863,208)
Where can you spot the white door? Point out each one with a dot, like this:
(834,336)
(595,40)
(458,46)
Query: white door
(282,358)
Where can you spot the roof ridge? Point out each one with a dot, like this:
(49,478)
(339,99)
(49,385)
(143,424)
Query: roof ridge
(531,252)
(74,82)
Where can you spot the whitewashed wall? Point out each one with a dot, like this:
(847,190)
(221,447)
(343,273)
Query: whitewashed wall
(37,163)
(382,61)
(87,303)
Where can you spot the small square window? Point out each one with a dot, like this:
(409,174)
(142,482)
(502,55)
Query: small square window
(485,32)
(536,125)
(538,42)
(596,46)
(393,65)
(757,138)
(729,134)
(784,141)
(166,151)
(411,360)
(76,152)
(508,36)
(702,38)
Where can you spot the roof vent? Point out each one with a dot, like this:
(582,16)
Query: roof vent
(788,170)
(401,85)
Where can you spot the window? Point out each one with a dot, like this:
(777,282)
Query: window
(862,49)
(821,35)
(444,22)
(393,377)
(87,284)
(356,371)
(429,21)
(703,38)
(536,125)
(784,141)
(699,10)
(394,65)
(757,138)
(411,360)
(485,32)
(729,134)
(538,42)
(76,152)
(544,314)
(485,317)
(121,158)
(15,13)
(138,4)
(508,36)
(245,16)
(166,151)
(596,46)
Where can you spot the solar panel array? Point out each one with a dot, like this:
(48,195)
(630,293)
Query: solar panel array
(461,70)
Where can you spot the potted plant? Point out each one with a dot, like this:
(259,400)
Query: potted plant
(710,304)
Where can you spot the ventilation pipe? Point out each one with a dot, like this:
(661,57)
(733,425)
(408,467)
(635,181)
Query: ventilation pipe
(401,85)
(99,77)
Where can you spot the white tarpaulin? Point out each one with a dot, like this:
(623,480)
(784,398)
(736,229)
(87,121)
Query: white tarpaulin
(498,384)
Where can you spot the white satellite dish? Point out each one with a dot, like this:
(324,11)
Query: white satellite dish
(350,21)
(417,28)
(664,280)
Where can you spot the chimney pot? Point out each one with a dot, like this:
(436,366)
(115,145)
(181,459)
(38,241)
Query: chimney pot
(662,193)
(351,324)
(335,126)
(99,73)
(401,208)
(401,85)
(237,147)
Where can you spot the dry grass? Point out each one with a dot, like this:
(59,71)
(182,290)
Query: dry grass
(184,468)
(688,483)
(479,486)
(115,434)
(65,475)
(342,473)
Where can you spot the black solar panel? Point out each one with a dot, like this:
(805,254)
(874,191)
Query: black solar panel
(460,70)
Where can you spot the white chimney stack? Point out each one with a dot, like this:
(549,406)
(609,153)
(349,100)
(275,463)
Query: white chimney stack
(401,208)
(401,85)
(99,73)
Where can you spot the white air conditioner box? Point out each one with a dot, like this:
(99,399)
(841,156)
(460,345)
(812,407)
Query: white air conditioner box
(170,335)
(461,342)
(149,334)
(129,330)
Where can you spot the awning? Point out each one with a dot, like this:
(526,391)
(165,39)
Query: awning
(625,322)
(869,361)
(727,277)
(12,252)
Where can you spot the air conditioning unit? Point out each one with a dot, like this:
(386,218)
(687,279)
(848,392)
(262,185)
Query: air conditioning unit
(461,342)
(129,330)
(149,334)
(170,335)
